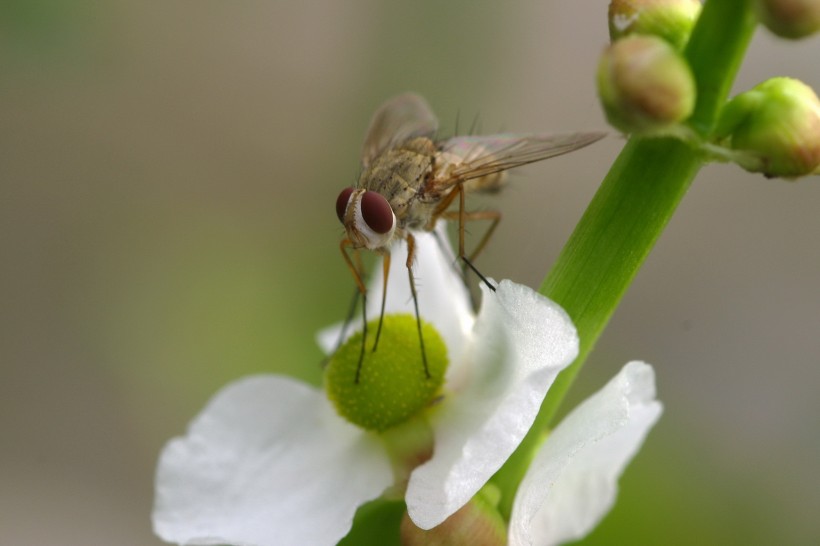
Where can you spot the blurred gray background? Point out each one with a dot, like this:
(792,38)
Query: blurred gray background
(168,172)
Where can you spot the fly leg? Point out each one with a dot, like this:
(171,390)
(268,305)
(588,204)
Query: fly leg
(357,270)
(386,271)
(440,211)
(463,217)
(411,252)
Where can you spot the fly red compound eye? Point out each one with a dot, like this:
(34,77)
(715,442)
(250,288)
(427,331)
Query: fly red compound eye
(376,212)
(341,203)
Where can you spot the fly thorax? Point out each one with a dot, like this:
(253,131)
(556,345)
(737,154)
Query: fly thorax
(400,176)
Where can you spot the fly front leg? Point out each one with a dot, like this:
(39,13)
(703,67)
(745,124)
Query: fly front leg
(385,272)
(411,252)
(357,270)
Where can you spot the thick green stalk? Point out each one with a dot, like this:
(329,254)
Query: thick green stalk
(631,209)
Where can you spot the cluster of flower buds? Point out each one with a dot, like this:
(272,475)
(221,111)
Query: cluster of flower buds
(645,84)
(647,87)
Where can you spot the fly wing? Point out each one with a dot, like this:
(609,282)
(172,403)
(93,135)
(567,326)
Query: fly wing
(397,120)
(468,157)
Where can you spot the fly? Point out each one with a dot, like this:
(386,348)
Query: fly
(410,180)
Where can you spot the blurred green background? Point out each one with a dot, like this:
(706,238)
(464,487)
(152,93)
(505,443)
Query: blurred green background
(168,172)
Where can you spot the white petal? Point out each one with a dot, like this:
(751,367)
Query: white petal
(442,296)
(573,480)
(521,341)
(267,462)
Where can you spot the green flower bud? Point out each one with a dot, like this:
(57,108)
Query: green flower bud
(645,85)
(777,127)
(671,20)
(392,385)
(790,18)
(477,523)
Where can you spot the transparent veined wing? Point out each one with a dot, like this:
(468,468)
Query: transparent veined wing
(397,120)
(467,157)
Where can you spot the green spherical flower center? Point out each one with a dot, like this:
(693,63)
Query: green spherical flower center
(392,383)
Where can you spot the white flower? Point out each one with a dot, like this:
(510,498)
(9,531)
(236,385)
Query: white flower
(269,462)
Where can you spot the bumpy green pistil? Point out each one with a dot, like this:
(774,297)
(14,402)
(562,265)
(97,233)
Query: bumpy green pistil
(392,385)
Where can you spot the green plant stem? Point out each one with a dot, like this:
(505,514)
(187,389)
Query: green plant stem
(631,209)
